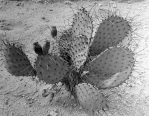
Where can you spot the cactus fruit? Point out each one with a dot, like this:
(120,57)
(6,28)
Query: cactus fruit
(37,48)
(89,97)
(16,61)
(54,31)
(82,24)
(111,31)
(46,48)
(79,50)
(113,66)
(50,68)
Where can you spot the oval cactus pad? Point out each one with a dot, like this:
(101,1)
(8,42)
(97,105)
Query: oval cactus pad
(89,97)
(79,50)
(50,68)
(82,24)
(104,82)
(110,32)
(116,61)
(16,61)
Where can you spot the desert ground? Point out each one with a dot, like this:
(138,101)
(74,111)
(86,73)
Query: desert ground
(31,21)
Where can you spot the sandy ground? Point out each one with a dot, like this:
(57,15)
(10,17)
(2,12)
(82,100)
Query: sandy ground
(29,22)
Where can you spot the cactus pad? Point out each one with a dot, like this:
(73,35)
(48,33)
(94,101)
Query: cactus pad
(82,24)
(79,50)
(112,66)
(111,31)
(50,68)
(16,61)
(113,81)
(89,97)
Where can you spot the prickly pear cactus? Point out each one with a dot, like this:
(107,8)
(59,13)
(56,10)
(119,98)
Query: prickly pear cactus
(16,61)
(111,31)
(50,68)
(82,24)
(113,66)
(89,97)
(79,50)
(81,75)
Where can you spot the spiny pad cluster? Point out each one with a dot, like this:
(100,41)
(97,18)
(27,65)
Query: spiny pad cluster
(111,65)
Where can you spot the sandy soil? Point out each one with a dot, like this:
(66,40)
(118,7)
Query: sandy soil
(29,22)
